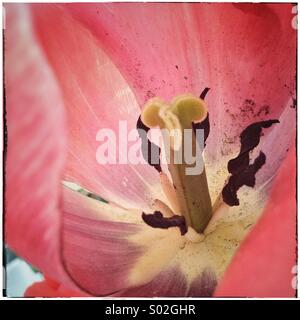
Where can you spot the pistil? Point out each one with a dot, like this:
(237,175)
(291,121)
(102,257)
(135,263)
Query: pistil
(191,189)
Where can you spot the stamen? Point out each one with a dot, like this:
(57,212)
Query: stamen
(246,177)
(249,138)
(191,190)
(242,172)
(156,220)
(204,93)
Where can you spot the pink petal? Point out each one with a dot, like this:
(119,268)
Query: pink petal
(41,289)
(95,252)
(106,249)
(246,54)
(50,289)
(36,144)
(86,245)
(96,96)
(265,264)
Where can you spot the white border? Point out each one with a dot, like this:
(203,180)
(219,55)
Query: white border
(1,160)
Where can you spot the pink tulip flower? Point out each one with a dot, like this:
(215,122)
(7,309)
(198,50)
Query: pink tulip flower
(72,69)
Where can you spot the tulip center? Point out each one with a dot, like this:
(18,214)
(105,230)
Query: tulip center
(187,190)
